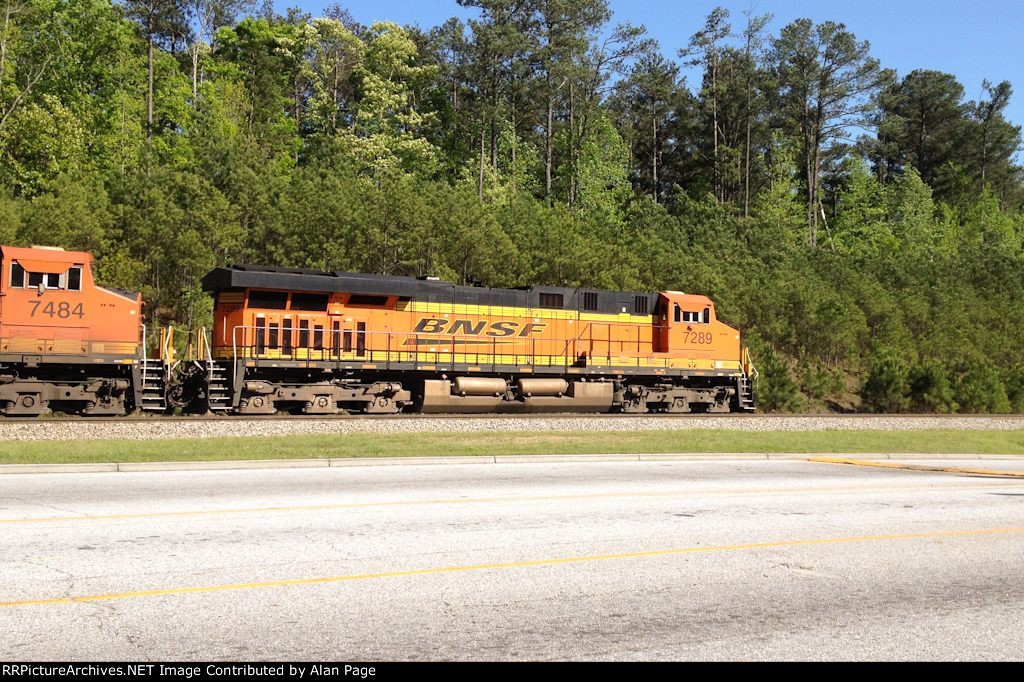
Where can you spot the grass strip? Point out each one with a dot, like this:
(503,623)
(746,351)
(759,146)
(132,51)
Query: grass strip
(511,443)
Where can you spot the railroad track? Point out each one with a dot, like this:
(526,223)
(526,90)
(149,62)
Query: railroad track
(142,428)
(491,416)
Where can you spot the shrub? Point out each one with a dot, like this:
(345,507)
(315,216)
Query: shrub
(930,388)
(979,388)
(887,387)
(776,389)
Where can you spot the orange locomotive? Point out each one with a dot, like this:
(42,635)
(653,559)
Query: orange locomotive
(67,344)
(321,342)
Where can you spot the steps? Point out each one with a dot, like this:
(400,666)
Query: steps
(154,386)
(218,392)
(745,398)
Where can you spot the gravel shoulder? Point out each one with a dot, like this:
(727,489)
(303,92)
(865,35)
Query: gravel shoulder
(157,429)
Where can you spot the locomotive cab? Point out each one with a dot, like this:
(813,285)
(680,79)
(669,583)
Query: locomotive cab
(688,323)
(49,304)
(66,344)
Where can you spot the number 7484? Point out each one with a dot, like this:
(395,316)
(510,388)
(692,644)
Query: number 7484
(63,310)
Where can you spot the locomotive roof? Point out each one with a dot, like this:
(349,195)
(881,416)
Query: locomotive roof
(236,277)
(44,254)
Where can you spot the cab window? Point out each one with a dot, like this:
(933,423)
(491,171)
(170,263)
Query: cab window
(70,280)
(48,280)
(697,317)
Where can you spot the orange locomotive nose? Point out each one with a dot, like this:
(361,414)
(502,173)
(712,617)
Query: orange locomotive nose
(71,343)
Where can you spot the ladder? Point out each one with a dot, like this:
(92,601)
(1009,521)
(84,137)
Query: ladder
(218,381)
(218,387)
(154,385)
(745,384)
(745,398)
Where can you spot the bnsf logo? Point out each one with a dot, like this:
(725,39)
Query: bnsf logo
(432,325)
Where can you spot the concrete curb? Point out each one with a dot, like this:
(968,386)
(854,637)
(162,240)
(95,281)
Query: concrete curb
(403,461)
(57,468)
(111,467)
(225,464)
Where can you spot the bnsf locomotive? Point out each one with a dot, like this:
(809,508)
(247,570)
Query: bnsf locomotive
(312,342)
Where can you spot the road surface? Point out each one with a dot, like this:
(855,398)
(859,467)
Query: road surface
(621,561)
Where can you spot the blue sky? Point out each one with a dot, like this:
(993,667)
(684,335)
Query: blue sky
(972,40)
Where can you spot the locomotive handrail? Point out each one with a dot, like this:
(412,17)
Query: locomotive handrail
(444,349)
(166,347)
(748,365)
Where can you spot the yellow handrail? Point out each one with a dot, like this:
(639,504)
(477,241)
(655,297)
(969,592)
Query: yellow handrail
(748,366)
(165,351)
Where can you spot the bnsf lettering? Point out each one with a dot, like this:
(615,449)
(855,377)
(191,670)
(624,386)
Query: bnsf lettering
(530,328)
(431,325)
(503,328)
(467,327)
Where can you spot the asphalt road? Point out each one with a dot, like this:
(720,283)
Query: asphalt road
(633,561)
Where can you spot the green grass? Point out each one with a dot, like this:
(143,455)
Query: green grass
(523,443)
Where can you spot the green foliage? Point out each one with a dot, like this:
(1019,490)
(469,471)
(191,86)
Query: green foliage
(76,214)
(1015,387)
(536,143)
(819,381)
(887,387)
(777,391)
(930,388)
(10,219)
(42,140)
(979,388)
(387,131)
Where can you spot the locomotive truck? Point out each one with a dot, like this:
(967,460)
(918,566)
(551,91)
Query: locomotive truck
(311,342)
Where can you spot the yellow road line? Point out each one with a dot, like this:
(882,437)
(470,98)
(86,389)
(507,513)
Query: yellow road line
(555,561)
(918,467)
(529,498)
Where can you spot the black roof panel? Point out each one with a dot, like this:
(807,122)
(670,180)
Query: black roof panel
(237,277)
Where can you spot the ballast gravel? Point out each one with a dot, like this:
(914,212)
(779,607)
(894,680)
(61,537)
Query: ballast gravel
(151,429)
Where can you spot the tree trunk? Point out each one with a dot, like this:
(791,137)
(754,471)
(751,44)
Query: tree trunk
(195,74)
(480,179)
(984,152)
(548,146)
(334,99)
(512,153)
(494,128)
(812,199)
(746,174)
(746,156)
(149,91)
(572,146)
(3,43)
(714,117)
(654,155)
